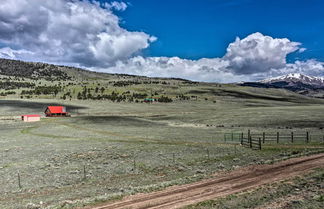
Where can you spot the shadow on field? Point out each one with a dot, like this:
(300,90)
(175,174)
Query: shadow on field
(299,123)
(17,105)
(117,121)
(238,94)
(249,95)
(246,95)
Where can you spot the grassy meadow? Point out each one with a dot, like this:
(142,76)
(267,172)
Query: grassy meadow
(107,150)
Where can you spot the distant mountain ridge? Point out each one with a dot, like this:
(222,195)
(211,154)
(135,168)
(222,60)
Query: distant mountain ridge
(294,78)
(296,82)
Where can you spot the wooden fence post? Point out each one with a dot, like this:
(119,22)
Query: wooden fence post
(232,137)
(19,183)
(250,141)
(277,137)
(292,137)
(263,137)
(249,135)
(259,143)
(84,173)
(307,137)
(173,157)
(242,138)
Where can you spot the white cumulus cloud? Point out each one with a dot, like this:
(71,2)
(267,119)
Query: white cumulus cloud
(9,53)
(79,32)
(253,58)
(120,6)
(309,67)
(258,53)
(198,70)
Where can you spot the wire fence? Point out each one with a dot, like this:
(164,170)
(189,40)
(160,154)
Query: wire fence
(76,168)
(275,137)
(73,172)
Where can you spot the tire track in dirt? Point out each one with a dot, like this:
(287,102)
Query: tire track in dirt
(218,186)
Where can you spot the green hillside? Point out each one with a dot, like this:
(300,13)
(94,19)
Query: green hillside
(44,81)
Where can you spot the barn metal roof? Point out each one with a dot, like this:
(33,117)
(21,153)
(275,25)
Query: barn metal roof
(56,109)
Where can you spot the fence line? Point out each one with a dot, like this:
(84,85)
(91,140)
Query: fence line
(251,143)
(131,165)
(277,137)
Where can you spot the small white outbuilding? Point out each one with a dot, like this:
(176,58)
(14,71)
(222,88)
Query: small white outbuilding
(30,118)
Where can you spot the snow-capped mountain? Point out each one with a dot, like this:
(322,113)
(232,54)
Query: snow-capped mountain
(297,78)
(303,84)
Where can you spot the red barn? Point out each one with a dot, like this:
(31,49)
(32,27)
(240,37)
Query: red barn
(56,111)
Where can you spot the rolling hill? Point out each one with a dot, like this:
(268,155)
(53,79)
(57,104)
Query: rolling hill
(30,80)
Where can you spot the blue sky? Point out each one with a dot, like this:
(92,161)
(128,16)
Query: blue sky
(203,28)
(192,39)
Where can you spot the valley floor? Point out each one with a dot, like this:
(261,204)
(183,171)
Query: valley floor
(107,150)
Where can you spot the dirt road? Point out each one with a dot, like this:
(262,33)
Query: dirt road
(218,186)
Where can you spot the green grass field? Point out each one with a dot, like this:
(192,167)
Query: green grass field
(126,148)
